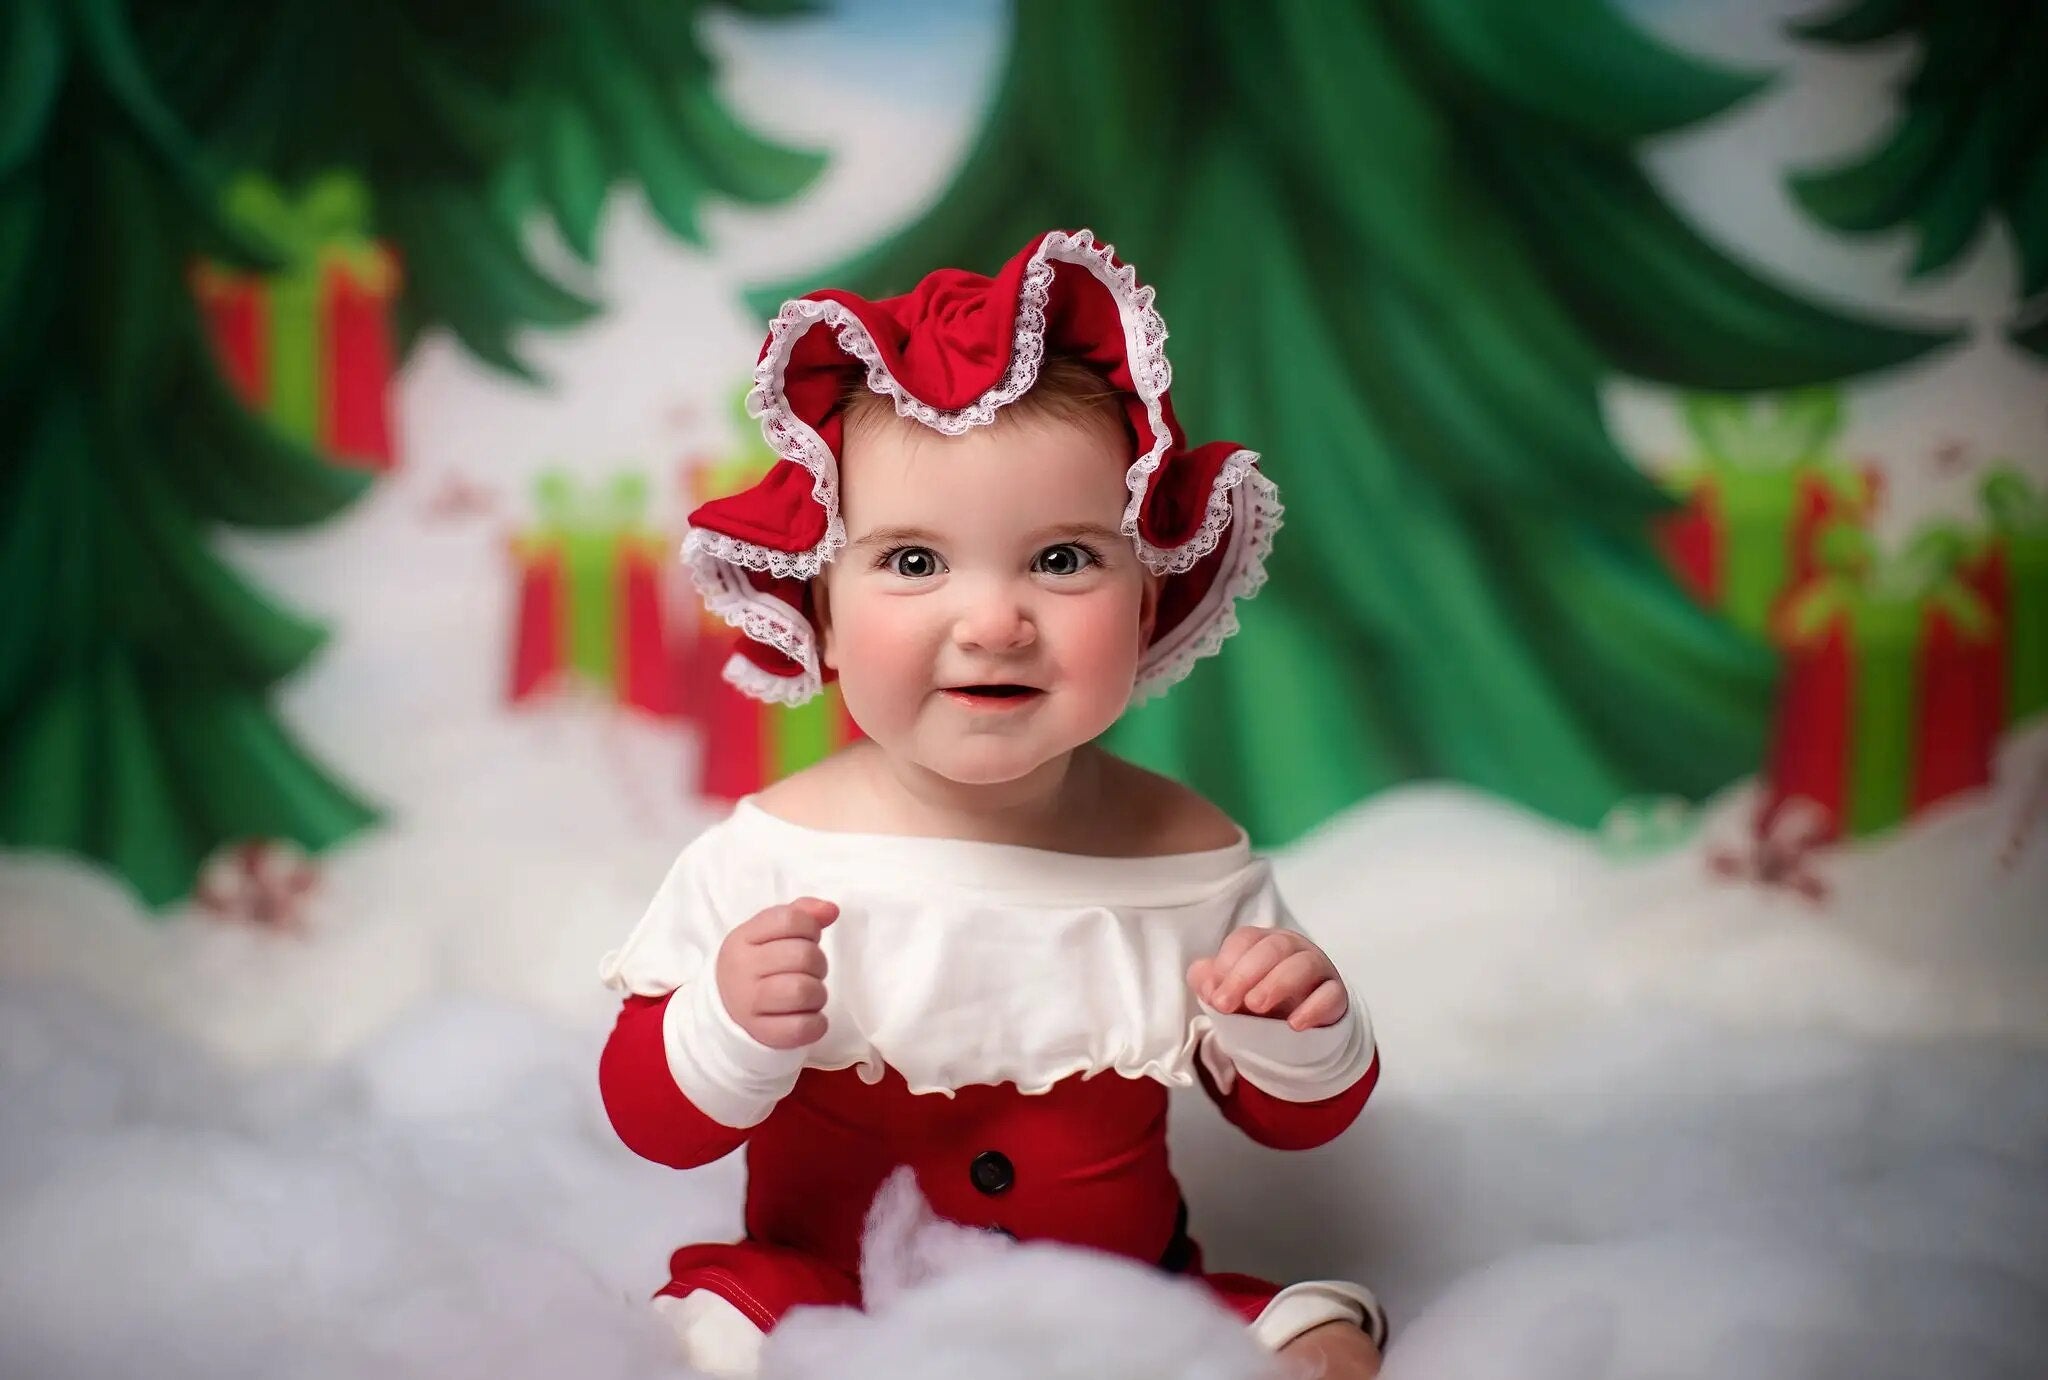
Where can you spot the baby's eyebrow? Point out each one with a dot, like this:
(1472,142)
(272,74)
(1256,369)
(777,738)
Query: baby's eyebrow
(1094,530)
(905,536)
(895,536)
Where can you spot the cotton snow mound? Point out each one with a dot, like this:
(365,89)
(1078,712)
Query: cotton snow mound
(1664,1197)
(945,1301)
(1660,1196)
(1479,934)
(1036,1313)
(449,1203)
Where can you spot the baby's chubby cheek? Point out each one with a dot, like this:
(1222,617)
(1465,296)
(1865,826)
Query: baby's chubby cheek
(885,672)
(1098,657)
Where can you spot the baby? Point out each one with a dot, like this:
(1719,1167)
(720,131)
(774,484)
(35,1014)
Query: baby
(976,944)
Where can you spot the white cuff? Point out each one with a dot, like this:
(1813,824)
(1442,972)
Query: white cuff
(1298,1307)
(1292,1065)
(731,1077)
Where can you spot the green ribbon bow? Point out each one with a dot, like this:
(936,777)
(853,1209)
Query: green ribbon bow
(1775,431)
(327,223)
(1888,597)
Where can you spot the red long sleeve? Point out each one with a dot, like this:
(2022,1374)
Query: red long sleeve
(1284,1125)
(646,1107)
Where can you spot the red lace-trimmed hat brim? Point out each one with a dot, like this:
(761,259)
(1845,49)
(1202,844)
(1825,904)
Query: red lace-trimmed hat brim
(949,354)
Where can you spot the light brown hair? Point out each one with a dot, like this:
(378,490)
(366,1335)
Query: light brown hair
(1065,390)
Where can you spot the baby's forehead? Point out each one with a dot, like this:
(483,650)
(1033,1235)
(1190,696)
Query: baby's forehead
(984,489)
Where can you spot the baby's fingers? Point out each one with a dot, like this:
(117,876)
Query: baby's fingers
(1292,978)
(804,918)
(1250,968)
(793,955)
(1324,1006)
(789,1032)
(789,994)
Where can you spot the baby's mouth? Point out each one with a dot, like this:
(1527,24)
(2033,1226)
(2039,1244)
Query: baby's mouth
(994,691)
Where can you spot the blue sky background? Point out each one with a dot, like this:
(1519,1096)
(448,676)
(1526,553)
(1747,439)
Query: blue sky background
(922,52)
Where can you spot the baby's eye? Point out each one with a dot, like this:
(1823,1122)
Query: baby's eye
(1068,558)
(913,562)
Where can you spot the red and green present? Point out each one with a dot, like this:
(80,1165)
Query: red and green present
(1760,490)
(309,345)
(748,744)
(1887,700)
(2010,570)
(591,607)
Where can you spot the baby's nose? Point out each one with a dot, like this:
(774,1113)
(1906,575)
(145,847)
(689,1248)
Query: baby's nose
(995,622)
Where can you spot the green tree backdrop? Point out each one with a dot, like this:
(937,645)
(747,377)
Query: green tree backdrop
(136,669)
(1970,144)
(1400,244)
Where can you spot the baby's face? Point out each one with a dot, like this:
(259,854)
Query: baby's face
(986,615)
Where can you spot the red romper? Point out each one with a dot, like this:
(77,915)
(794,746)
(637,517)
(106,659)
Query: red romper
(1008,1022)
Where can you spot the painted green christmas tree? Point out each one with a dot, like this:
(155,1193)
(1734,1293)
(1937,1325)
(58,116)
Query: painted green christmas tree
(136,669)
(1970,145)
(1400,244)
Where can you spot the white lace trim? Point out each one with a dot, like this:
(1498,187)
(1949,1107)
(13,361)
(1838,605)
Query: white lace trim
(1257,516)
(766,686)
(715,559)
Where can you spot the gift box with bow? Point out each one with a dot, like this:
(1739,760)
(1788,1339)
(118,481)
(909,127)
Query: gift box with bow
(309,344)
(2009,568)
(1886,703)
(1758,493)
(591,607)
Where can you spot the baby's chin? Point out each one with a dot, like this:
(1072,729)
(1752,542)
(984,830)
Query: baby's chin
(988,764)
(993,759)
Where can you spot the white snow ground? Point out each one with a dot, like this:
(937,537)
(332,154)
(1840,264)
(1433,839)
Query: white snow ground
(1635,1123)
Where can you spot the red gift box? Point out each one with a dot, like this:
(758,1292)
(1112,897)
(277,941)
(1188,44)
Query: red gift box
(748,744)
(591,607)
(1886,702)
(310,344)
(1758,495)
(2009,568)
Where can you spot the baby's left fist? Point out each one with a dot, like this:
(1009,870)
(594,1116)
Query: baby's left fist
(1276,973)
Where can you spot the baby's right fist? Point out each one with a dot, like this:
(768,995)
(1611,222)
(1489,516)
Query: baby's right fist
(771,973)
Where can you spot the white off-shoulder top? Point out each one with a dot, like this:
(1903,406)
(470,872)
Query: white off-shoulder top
(958,962)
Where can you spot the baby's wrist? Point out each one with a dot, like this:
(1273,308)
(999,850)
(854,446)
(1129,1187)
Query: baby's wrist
(1295,1065)
(731,1076)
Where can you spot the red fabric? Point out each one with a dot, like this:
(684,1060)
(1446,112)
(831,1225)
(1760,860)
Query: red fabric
(648,667)
(237,321)
(1957,721)
(359,367)
(646,1107)
(537,626)
(1089,1158)
(735,736)
(1283,1125)
(1987,575)
(1691,543)
(1809,754)
(948,343)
